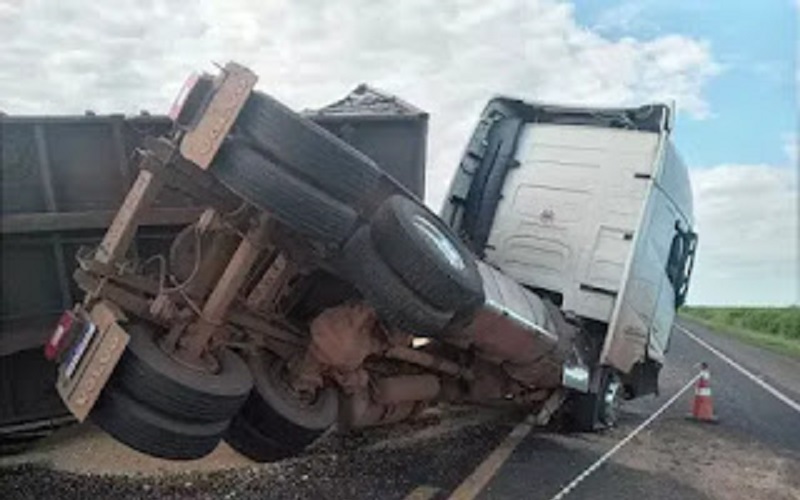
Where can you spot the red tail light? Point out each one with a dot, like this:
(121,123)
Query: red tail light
(58,340)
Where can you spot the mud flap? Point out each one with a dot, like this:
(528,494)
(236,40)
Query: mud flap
(91,359)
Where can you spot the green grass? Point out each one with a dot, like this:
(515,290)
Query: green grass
(774,328)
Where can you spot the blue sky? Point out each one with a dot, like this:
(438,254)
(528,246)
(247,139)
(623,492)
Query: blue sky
(752,99)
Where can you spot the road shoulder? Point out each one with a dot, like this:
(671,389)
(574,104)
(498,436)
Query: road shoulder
(777,369)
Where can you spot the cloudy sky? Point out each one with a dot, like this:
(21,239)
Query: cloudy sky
(729,65)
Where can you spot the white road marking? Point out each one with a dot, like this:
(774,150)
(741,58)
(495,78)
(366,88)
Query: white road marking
(744,371)
(600,461)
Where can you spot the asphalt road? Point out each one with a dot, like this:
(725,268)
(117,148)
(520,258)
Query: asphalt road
(752,452)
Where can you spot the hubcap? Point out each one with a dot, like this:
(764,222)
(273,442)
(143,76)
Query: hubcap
(611,402)
(440,241)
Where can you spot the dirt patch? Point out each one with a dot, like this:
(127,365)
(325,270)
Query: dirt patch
(713,460)
(85,449)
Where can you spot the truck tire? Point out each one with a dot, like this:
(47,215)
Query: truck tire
(395,303)
(594,411)
(151,432)
(148,374)
(272,188)
(426,254)
(279,422)
(309,150)
(243,437)
(278,411)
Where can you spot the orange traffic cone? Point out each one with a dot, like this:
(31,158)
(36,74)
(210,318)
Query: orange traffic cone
(703,408)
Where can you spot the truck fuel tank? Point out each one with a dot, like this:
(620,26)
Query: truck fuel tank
(516,329)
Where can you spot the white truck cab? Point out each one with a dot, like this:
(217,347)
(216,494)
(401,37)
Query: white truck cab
(589,207)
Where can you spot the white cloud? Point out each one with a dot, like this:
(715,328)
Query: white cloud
(747,218)
(445,57)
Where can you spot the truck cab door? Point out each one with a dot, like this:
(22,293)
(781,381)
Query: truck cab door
(672,293)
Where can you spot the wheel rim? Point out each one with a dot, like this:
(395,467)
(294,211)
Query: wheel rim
(438,240)
(312,411)
(301,399)
(611,402)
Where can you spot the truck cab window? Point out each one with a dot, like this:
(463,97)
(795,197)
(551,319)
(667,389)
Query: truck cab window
(675,260)
(681,262)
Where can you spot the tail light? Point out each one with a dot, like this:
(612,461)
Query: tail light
(60,337)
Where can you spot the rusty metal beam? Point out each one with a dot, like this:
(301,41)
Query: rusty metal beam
(135,281)
(224,293)
(262,327)
(269,288)
(119,236)
(127,300)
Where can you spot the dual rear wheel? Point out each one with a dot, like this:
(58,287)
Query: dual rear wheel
(277,421)
(164,408)
(404,260)
(412,269)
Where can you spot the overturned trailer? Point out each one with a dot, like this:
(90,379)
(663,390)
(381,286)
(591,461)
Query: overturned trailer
(316,290)
(63,179)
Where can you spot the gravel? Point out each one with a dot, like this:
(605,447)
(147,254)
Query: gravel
(438,449)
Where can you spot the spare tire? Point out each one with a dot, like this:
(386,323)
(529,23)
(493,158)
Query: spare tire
(393,300)
(149,431)
(309,150)
(272,188)
(148,374)
(425,253)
